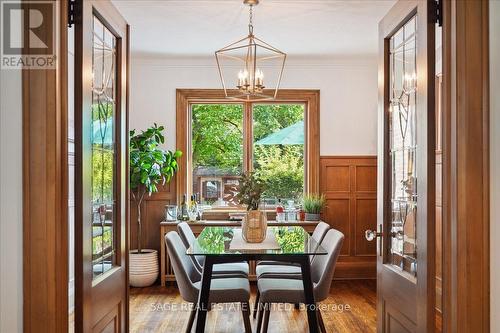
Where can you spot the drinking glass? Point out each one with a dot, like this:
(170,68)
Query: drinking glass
(192,213)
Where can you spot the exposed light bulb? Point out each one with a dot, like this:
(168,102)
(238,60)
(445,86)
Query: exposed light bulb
(242,78)
(259,78)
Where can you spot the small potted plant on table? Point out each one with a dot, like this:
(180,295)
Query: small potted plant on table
(150,166)
(313,204)
(254,225)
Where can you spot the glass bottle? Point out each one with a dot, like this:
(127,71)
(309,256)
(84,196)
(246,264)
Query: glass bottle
(198,210)
(193,209)
(184,216)
(280,212)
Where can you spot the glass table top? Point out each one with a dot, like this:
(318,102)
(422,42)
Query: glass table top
(291,240)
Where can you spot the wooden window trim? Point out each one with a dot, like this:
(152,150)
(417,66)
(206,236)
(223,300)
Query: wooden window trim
(310,98)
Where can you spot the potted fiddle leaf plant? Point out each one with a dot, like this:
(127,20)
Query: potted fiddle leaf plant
(313,204)
(150,166)
(254,224)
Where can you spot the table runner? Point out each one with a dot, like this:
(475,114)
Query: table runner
(238,243)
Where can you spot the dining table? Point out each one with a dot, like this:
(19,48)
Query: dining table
(291,244)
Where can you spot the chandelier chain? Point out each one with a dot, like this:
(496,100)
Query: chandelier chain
(250,21)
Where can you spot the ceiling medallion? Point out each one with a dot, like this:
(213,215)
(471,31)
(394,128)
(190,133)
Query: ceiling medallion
(245,62)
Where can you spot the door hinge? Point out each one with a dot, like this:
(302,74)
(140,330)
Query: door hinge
(72,12)
(437,12)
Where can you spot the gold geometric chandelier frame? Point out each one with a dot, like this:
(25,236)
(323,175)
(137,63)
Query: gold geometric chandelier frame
(250,84)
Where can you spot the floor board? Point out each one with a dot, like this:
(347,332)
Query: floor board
(351,307)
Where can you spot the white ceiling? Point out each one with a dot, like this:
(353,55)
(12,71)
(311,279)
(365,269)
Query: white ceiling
(297,27)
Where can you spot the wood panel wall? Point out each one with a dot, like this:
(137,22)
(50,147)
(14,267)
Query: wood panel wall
(350,186)
(152,214)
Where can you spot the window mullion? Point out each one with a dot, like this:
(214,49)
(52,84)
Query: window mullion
(248,138)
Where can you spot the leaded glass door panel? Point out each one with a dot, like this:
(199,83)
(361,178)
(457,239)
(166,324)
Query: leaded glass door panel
(101,174)
(104,156)
(406,187)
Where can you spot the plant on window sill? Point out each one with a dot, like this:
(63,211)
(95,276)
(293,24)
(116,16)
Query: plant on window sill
(313,204)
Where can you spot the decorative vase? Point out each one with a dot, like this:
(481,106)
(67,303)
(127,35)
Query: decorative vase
(312,217)
(254,226)
(143,267)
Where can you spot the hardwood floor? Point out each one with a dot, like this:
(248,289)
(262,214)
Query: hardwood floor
(350,308)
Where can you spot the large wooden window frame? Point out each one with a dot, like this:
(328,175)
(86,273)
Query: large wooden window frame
(188,97)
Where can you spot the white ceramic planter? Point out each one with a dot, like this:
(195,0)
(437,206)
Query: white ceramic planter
(143,267)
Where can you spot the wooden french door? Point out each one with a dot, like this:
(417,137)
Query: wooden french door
(406,169)
(101,176)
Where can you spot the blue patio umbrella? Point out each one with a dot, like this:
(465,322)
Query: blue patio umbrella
(291,135)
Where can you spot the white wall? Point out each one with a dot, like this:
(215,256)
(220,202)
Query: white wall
(348,95)
(11,231)
(494,164)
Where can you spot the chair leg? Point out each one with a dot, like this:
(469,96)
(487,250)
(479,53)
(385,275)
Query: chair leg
(267,312)
(322,327)
(259,320)
(191,320)
(245,311)
(256,304)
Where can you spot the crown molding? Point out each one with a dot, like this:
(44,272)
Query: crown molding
(309,63)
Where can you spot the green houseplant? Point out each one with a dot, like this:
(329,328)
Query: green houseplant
(254,225)
(150,166)
(250,191)
(313,204)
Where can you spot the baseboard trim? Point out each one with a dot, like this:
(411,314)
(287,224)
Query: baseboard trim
(346,270)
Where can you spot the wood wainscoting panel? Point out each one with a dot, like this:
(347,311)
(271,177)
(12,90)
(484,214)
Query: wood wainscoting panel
(338,178)
(366,178)
(366,215)
(152,213)
(350,186)
(338,215)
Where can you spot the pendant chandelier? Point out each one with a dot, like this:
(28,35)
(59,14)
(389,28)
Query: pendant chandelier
(252,67)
